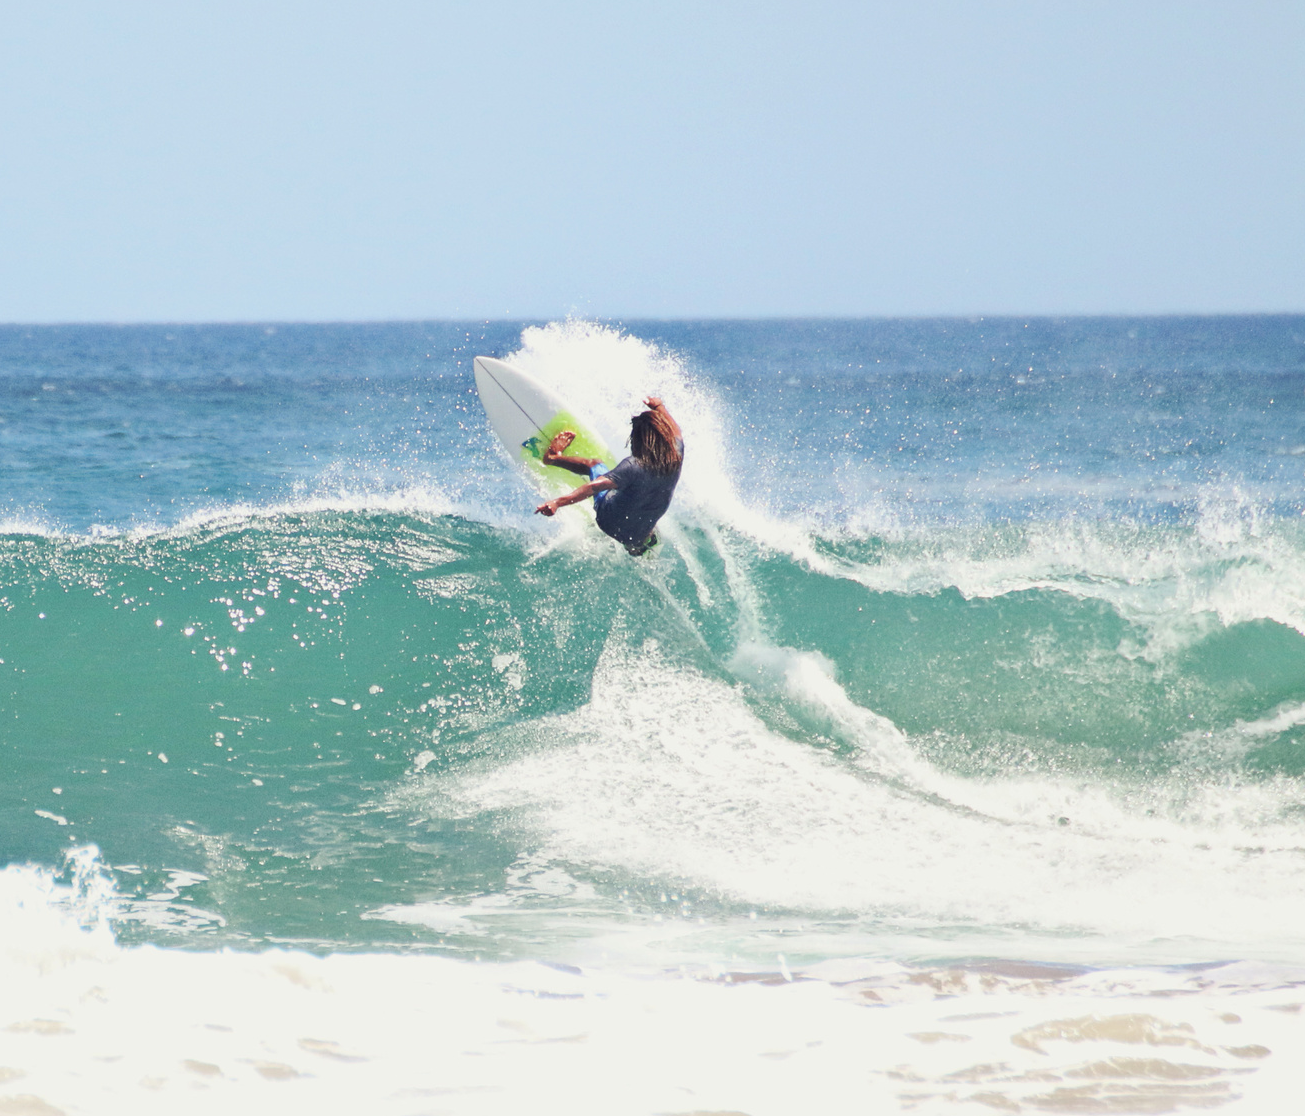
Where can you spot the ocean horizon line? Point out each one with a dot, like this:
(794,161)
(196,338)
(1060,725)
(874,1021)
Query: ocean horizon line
(621,320)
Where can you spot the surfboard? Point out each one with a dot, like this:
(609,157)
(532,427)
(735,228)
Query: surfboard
(525,414)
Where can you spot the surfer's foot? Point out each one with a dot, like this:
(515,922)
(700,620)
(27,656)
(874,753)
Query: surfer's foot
(645,546)
(561,440)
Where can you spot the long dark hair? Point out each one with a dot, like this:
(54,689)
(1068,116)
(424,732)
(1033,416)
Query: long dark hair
(652,442)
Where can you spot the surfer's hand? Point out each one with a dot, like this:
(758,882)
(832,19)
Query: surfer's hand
(549,508)
(652,403)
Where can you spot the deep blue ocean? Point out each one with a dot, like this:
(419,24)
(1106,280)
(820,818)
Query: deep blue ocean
(970,642)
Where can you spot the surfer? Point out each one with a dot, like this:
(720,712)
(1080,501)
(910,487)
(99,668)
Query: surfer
(631,498)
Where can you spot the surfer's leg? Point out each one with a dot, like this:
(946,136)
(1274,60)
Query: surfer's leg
(596,470)
(553,455)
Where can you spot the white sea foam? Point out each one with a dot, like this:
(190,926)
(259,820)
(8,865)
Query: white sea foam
(421,500)
(806,679)
(86,1025)
(47,921)
(30,523)
(418,500)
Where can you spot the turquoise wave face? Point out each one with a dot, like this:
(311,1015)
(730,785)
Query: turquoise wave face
(348,728)
(237,701)
(1044,678)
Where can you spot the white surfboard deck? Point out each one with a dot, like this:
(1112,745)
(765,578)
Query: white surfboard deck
(525,414)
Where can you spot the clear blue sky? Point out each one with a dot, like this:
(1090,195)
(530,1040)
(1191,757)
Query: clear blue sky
(315,161)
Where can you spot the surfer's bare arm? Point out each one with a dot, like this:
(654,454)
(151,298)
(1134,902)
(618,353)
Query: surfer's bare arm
(575,496)
(653,403)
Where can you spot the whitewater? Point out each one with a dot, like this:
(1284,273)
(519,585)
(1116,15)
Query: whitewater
(948,755)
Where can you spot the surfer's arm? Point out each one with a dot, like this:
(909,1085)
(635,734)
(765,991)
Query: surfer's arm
(655,404)
(575,496)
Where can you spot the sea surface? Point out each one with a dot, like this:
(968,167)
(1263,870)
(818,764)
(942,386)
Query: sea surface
(947,756)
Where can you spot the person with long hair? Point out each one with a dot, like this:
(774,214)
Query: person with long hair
(632,497)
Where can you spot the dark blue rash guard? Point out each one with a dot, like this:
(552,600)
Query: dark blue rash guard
(629,511)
